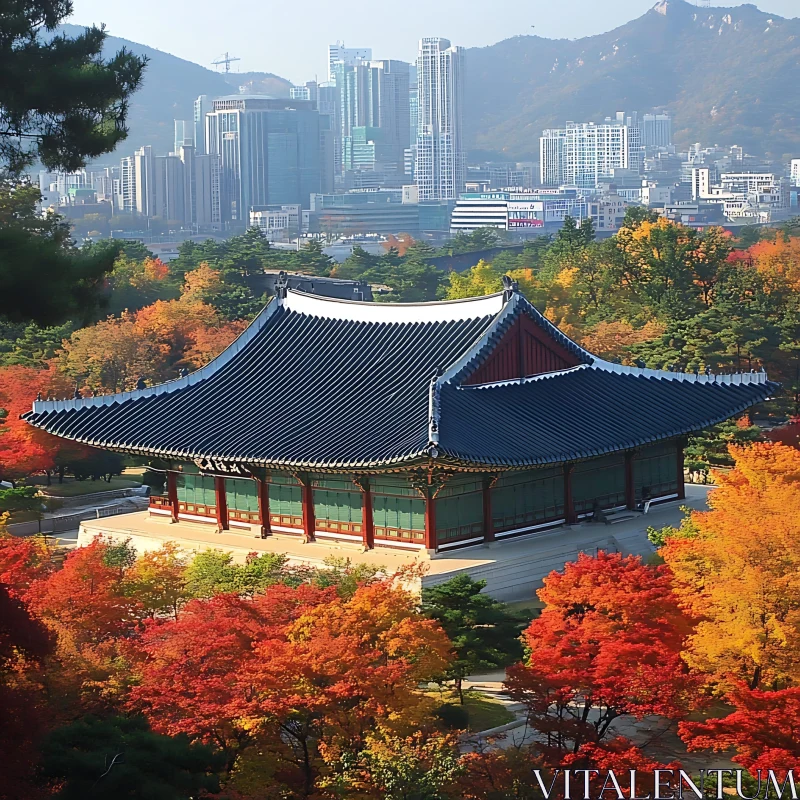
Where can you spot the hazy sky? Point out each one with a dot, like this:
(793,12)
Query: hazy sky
(290,38)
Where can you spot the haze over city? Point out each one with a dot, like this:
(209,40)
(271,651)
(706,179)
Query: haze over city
(288,39)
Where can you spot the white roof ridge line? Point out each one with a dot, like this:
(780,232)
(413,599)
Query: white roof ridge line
(393,313)
(737,378)
(346,301)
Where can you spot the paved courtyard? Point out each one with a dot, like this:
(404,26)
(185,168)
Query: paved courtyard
(513,569)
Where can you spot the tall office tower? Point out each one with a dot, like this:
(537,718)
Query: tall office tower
(170,189)
(583,153)
(269,152)
(184,131)
(187,156)
(389,104)
(330,132)
(656,130)
(352,85)
(126,196)
(327,143)
(208,206)
(145,181)
(348,55)
(440,164)
(635,156)
(201,107)
(201,188)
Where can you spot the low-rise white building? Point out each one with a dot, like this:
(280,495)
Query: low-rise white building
(276,222)
(516,212)
(608,212)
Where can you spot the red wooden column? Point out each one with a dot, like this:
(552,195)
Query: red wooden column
(488,526)
(569,505)
(172,494)
(630,483)
(262,488)
(222,503)
(309,521)
(679,467)
(430,520)
(367,522)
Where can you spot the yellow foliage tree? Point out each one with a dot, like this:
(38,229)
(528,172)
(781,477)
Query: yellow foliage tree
(737,569)
(482,279)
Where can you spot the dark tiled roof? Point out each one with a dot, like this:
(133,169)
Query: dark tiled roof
(318,383)
(582,413)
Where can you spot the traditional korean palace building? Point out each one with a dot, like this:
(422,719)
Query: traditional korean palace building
(421,426)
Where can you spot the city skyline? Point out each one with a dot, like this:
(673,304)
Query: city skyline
(276,50)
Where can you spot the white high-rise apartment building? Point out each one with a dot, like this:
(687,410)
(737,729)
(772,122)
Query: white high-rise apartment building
(551,157)
(144,166)
(440,162)
(349,55)
(794,171)
(583,153)
(126,197)
(202,106)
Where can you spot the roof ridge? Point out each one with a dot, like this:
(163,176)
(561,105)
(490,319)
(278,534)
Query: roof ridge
(314,305)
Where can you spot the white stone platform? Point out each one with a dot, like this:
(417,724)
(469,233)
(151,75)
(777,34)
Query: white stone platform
(513,568)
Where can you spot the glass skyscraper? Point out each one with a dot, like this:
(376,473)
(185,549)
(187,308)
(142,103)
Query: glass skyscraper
(269,152)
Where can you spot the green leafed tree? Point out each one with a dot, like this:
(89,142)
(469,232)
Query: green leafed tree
(484,632)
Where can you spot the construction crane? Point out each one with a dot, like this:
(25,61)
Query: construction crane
(226,60)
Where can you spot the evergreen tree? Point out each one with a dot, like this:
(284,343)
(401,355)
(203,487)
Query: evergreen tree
(484,632)
(60,103)
(100,759)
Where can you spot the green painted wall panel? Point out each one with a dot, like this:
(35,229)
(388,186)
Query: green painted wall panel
(406,513)
(196,489)
(601,480)
(459,516)
(242,494)
(286,500)
(337,506)
(655,470)
(527,498)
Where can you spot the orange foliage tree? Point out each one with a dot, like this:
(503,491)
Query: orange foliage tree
(155,342)
(737,568)
(611,340)
(303,673)
(86,607)
(776,259)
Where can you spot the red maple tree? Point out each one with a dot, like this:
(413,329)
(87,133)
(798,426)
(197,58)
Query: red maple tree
(607,644)
(764,729)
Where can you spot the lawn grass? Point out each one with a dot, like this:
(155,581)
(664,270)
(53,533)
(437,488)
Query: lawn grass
(73,488)
(483,712)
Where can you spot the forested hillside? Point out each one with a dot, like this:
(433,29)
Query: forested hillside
(729,76)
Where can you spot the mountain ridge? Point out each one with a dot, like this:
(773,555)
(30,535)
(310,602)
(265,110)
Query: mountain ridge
(168,91)
(714,69)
